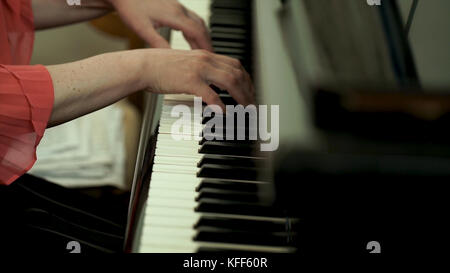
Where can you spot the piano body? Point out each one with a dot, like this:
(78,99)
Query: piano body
(316,193)
(173,210)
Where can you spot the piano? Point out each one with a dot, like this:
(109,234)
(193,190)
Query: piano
(194,196)
(320,193)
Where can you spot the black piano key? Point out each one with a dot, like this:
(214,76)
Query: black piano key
(227,195)
(223,139)
(205,249)
(218,90)
(239,237)
(232,4)
(220,122)
(226,184)
(205,118)
(228,44)
(216,137)
(224,148)
(213,134)
(227,99)
(230,161)
(222,126)
(235,116)
(237,208)
(228,172)
(223,118)
(230,12)
(229,21)
(218,29)
(215,250)
(220,36)
(227,50)
(246,225)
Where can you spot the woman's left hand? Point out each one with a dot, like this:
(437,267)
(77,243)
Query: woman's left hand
(145,16)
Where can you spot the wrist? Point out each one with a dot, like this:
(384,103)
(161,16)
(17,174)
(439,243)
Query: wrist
(137,63)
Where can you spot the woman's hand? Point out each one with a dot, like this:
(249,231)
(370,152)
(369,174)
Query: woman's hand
(192,72)
(145,16)
(91,84)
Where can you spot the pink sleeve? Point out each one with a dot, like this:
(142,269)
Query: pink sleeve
(26,102)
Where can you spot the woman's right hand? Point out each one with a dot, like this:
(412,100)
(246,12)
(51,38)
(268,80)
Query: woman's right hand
(88,85)
(192,72)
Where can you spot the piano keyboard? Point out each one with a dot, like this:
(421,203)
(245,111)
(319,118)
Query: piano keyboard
(206,195)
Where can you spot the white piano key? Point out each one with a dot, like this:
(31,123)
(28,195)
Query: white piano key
(168,183)
(170,203)
(167,108)
(173,194)
(172,152)
(175,169)
(192,144)
(187,213)
(171,121)
(176,160)
(169,137)
(158,220)
(174,186)
(167,231)
(175,177)
(167,151)
(177,243)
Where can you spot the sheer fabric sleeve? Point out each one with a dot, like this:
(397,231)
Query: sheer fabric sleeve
(26,102)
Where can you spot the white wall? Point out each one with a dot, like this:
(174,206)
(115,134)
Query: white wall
(71,43)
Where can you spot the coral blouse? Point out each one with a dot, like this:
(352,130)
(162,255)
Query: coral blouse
(26,92)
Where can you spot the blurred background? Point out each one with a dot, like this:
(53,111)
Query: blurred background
(429,39)
(88,165)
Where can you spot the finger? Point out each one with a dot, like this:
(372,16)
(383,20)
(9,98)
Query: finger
(232,82)
(252,90)
(209,96)
(154,39)
(231,61)
(195,36)
(193,44)
(202,39)
(245,80)
(195,33)
(150,34)
(203,28)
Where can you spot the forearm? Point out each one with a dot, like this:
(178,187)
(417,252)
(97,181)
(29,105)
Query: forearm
(91,84)
(53,13)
